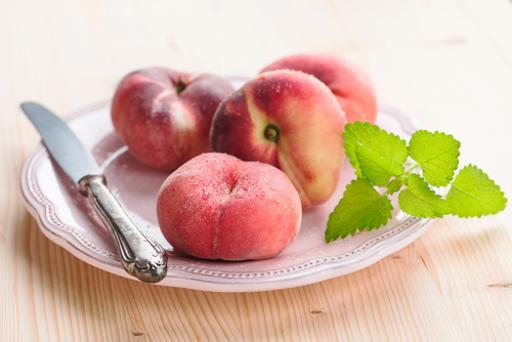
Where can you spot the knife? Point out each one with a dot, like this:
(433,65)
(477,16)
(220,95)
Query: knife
(140,256)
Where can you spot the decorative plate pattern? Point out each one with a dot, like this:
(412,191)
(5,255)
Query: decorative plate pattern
(66,218)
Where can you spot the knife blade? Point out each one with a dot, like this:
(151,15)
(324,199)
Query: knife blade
(61,142)
(140,256)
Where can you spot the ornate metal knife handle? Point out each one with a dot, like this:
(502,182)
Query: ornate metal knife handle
(140,256)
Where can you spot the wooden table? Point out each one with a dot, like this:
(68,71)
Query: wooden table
(448,63)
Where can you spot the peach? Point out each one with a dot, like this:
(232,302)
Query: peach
(164,116)
(216,206)
(288,119)
(351,86)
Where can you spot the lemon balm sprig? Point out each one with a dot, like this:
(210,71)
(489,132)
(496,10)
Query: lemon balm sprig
(380,159)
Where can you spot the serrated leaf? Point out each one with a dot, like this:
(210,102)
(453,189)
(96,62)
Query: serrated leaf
(394,186)
(375,154)
(360,208)
(437,154)
(419,200)
(474,194)
(375,167)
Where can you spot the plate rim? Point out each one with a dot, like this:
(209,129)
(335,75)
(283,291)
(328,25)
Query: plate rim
(203,279)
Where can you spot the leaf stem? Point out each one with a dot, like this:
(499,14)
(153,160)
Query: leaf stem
(410,169)
(393,179)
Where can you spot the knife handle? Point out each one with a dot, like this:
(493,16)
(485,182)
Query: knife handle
(140,256)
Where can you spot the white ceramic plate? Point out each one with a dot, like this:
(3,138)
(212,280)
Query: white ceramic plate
(66,218)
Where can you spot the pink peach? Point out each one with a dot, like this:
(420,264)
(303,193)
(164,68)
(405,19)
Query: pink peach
(216,206)
(288,119)
(164,116)
(351,86)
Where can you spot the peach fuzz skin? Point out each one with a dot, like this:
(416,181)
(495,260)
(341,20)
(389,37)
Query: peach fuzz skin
(288,119)
(216,206)
(351,86)
(164,116)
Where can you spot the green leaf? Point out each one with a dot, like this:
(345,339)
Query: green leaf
(361,207)
(419,200)
(394,186)
(375,154)
(376,168)
(474,194)
(438,155)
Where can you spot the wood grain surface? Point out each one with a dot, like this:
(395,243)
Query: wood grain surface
(448,63)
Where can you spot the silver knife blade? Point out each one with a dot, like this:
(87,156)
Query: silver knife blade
(62,143)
